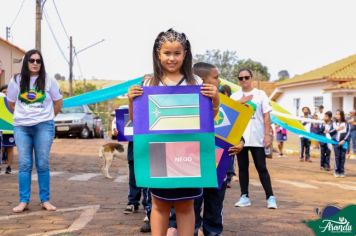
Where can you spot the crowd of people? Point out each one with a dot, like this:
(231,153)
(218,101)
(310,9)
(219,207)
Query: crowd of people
(36,99)
(339,128)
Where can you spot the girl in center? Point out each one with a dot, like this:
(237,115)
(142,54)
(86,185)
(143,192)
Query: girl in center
(172,65)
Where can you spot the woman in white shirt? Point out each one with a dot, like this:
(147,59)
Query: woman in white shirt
(257,138)
(35,99)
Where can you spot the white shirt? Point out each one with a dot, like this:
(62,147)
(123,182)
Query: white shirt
(255,130)
(33,107)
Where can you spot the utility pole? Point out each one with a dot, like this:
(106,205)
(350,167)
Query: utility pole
(7,33)
(38,23)
(70,66)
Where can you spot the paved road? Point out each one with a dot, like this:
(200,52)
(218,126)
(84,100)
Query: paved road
(92,205)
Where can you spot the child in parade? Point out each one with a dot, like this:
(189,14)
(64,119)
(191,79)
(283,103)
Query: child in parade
(213,198)
(172,63)
(340,134)
(305,142)
(325,149)
(257,139)
(8,142)
(281,136)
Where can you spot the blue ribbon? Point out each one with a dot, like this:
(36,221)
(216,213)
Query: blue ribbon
(306,134)
(102,94)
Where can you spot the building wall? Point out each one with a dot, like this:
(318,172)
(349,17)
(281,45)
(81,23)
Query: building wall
(11,59)
(344,101)
(305,94)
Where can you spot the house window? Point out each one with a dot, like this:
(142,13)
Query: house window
(296,102)
(318,101)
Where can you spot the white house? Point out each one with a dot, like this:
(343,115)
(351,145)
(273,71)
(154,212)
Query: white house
(333,86)
(10,60)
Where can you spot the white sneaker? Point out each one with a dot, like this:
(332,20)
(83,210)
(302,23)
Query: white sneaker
(271,203)
(243,202)
(337,175)
(342,175)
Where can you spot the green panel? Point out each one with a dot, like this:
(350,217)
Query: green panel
(207,156)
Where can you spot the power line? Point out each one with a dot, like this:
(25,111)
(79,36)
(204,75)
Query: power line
(54,36)
(18,13)
(60,19)
(78,63)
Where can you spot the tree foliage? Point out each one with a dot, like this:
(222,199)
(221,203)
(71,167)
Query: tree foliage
(229,64)
(283,74)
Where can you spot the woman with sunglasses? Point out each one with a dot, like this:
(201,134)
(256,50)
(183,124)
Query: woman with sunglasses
(257,139)
(35,99)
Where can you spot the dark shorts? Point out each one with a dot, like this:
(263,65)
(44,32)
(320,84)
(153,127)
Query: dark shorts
(8,140)
(177,194)
(281,137)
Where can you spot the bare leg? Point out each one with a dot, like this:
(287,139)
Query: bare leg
(280,147)
(160,216)
(10,155)
(185,217)
(108,160)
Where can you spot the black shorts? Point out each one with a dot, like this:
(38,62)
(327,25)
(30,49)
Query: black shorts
(8,140)
(176,194)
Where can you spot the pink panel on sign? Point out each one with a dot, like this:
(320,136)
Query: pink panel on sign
(183,159)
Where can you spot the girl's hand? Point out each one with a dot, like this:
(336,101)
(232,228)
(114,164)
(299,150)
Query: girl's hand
(236,149)
(341,142)
(134,91)
(210,91)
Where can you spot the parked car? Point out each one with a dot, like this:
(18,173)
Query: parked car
(75,121)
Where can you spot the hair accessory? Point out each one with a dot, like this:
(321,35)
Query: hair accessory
(171,36)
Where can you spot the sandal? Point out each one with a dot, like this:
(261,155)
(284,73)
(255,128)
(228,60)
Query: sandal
(23,206)
(48,206)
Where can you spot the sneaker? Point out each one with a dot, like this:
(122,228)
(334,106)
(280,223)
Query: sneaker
(337,175)
(322,168)
(271,203)
(243,202)
(301,159)
(327,169)
(130,209)
(146,227)
(8,170)
(146,219)
(309,160)
(342,175)
(228,185)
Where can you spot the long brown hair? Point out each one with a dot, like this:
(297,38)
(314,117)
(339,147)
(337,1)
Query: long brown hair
(186,69)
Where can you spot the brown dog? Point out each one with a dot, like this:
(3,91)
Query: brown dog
(107,153)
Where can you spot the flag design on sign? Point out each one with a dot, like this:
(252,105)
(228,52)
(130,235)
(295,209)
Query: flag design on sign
(225,120)
(175,159)
(174,112)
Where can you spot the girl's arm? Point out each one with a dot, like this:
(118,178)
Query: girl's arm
(134,91)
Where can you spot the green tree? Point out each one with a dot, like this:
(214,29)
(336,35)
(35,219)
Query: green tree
(282,75)
(83,87)
(225,61)
(260,72)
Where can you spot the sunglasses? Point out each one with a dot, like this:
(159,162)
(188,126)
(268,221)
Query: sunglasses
(242,78)
(32,61)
